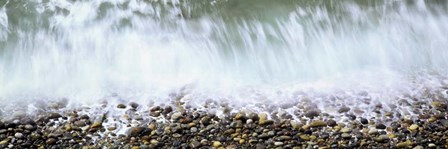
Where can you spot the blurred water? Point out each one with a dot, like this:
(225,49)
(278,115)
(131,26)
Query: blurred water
(144,50)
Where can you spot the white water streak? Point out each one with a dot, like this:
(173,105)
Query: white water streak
(90,49)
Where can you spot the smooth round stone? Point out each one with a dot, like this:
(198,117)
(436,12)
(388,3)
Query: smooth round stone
(364,121)
(18,135)
(346,130)
(29,127)
(346,136)
(278,143)
(193,129)
(217,144)
(380,126)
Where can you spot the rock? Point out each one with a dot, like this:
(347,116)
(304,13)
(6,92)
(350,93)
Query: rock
(346,136)
(80,123)
(232,146)
(343,109)
(240,116)
(380,126)
(29,127)
(195,144)
(318,123)
(237,124)
(133,105)
(283,138)
(176,116)
(418,147)
(167,110)
(138,131)
(438,105)
(346,130)
(229,132)
(143,146)
(382,139)
(432,119)
(278,143)
(413,127)
(217,144)
(388,114)
(304,137)
(193,129)
(331,123)
(259,146)
(53,115)
(373,131)
(312,113)
(364,121)
(295,124)
(96,125)
(205,120)
(51,141)
(153,141)
(5,141)
(263,119)
(86,117)
(155,113)
(405,144)
(112,128)
(242,141)
(176,135)
(18,135)
(121,106)
(432,145)
(263,136)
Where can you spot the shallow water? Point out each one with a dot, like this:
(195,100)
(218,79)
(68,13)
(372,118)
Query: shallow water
(271,52)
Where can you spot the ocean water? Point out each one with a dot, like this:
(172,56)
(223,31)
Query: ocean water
(251,54)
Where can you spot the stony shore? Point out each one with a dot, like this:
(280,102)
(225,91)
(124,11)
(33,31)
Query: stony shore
(172,127)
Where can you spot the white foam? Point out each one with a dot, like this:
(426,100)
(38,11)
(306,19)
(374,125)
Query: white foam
(145,51)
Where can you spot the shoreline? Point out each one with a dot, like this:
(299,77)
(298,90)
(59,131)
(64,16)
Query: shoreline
(181,127)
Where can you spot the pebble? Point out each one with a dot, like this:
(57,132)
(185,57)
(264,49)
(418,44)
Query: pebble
(96,125)
(295,124)
(53,115)
(380,126)
(404,144)
(331,123)
(143,146)
(413,127)
(263,119)
(176,116)
(318,123)
(18,135)
(312,113)
(239,116)
(133,105)
(304,137)
(346,130)
(217,144)
(278,143)
(364,121)
(343,109)
(346,136)
(121,106)
(195,144)
(29,127)
(382,139)
(193,129)
(51,141)
(418,147)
